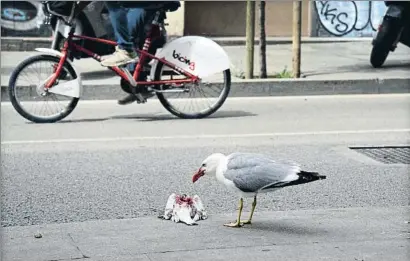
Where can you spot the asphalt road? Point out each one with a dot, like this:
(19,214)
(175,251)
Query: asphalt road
(112,162)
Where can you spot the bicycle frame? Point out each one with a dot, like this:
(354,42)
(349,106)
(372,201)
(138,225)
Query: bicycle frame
(122,72)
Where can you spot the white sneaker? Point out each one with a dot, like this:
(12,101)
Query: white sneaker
(119,57)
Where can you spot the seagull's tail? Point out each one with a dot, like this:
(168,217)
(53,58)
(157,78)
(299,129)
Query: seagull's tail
(306,177)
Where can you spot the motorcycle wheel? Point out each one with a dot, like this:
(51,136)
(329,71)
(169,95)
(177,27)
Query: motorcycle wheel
(379,55)
(383,43)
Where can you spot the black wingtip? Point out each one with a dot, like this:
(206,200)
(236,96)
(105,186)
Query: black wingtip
(311,176)
(304,177)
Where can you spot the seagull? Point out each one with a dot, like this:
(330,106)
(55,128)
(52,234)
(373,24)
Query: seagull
(249,174)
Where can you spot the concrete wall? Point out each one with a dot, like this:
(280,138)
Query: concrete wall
(176,21)
(319,18)
(227,18)
(347,18)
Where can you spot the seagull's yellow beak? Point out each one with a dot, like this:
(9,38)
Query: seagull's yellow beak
(198,174)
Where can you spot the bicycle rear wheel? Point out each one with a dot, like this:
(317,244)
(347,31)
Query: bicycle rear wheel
(176,101)
(34,71)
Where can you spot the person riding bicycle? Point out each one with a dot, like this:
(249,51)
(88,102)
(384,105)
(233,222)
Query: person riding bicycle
(127,17)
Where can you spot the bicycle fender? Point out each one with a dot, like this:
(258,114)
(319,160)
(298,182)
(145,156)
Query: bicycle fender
(198,55)
(71,88)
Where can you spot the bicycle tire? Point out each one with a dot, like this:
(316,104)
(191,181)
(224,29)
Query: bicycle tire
(197,115)
(16,104)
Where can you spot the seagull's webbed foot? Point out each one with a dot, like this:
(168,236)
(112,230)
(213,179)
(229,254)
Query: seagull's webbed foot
(234,224)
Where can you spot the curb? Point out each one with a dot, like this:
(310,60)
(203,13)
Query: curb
(269,87)
(21,44)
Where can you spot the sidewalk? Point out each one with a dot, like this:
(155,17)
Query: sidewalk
(11,44)
(332,234)
(326,67)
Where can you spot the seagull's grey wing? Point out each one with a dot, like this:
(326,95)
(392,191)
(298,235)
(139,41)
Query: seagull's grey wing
(253,172)
(239,160)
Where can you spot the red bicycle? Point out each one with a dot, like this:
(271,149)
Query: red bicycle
(191,58)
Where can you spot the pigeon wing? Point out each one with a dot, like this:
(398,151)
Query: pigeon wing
(169,207)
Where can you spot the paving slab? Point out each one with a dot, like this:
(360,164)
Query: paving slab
(340,60)
(319,234)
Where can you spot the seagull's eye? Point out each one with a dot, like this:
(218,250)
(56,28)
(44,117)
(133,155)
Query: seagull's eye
(203,165)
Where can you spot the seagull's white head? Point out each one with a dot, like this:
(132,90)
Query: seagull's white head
(209,166)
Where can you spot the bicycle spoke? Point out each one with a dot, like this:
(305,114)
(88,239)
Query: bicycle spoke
(200,97)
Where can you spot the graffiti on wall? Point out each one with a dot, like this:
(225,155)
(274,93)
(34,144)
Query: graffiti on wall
(348,18)
(23,18)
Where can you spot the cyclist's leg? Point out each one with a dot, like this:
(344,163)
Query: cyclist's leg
(136,19)
(124,52)
(136,22)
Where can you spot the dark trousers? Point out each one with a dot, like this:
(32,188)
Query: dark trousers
(126,22)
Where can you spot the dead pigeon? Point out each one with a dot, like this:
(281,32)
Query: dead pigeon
(182,208)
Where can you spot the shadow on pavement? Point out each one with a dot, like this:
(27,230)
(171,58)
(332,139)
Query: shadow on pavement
(162,117)
(216,115)
(280,227)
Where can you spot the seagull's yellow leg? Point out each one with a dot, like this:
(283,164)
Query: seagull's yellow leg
(253,209)
(238,221)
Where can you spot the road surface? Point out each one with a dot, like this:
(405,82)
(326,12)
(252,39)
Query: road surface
(106,162)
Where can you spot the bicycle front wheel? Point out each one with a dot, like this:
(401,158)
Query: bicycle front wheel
(27,94)
(193,101)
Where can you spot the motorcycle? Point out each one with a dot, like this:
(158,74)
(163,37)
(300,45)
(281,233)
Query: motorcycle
(393,29)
